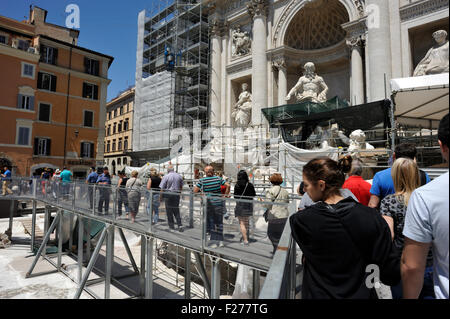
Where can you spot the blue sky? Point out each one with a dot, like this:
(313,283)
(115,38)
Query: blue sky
(109,27)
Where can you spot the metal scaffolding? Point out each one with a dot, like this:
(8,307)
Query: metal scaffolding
(176,38)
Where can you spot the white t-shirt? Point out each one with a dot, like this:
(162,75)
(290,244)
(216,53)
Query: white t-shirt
(427,222)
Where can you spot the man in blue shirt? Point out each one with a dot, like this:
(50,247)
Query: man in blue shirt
(211,186)
(383,184)
(6,179)
(91,180)
(426,224)
(104,180)
(172,183)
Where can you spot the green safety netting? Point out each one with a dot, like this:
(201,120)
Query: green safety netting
(302,110)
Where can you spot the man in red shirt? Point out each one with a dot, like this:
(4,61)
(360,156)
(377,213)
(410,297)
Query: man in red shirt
(356,184)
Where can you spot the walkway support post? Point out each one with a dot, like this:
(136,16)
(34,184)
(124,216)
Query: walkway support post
(91,264)
(215,279)
(109,260)
(149,273)
(44,242)
(187,274)
(33,225)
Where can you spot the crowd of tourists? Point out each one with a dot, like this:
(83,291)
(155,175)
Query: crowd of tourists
(344,224)
(398,224)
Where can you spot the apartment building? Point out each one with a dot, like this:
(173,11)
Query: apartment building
(119,131)
(53,100)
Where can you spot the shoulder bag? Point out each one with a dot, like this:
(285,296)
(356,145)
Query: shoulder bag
(266,213)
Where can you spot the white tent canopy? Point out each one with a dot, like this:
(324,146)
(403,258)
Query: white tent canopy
(421,99)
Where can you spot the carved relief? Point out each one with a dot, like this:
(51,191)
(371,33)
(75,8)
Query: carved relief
(241,42)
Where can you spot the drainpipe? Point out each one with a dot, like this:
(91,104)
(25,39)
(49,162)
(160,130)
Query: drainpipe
(67,102)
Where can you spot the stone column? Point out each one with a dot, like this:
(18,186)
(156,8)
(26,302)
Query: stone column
(258,10)
(216,73)
(280,65)
(379,45)
(357,71)
(225,114)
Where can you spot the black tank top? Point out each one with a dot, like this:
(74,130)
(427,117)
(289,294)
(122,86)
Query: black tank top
(155,182)
(124,181)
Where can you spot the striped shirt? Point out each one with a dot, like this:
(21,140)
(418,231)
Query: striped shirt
(211,187)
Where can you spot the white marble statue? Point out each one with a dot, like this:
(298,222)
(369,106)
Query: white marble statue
(310,87)
(358,141)
(436,59)
(242,112)
(241,43)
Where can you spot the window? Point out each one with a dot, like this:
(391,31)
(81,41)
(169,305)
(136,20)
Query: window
(3,39)
(108,146)
(121,110)
(88,119)
(108,130)
(120,144)
(25,102)
(115,112)
(23,137)
(23,45)
(91,66)
(27,70)
(114,145)
(87,150)
(119,127)
(109,115)
(48,54)
(42,146)
(119,161)
(125,161)
(125,143)
(44,112)
(126,125)
(114,128)
(90,91)
(46,82)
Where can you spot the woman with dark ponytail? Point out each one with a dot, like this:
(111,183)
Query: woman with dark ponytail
(340,238)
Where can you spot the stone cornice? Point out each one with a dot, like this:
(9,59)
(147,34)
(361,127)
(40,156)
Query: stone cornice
(421,8)
(239,66)
(50,67)
(24,55)
(355,28)
(257,8)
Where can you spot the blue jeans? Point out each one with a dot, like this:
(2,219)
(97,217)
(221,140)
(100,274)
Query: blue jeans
(155,206)
(214,220)
(123,199)
(427,291)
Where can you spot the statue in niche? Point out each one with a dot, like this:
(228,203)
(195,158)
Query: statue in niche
(241,43)
(436,60)
(243,108)
(310,87)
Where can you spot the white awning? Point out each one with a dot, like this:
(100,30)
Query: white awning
(422,97)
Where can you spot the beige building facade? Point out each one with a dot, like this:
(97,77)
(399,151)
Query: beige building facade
(119,131)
